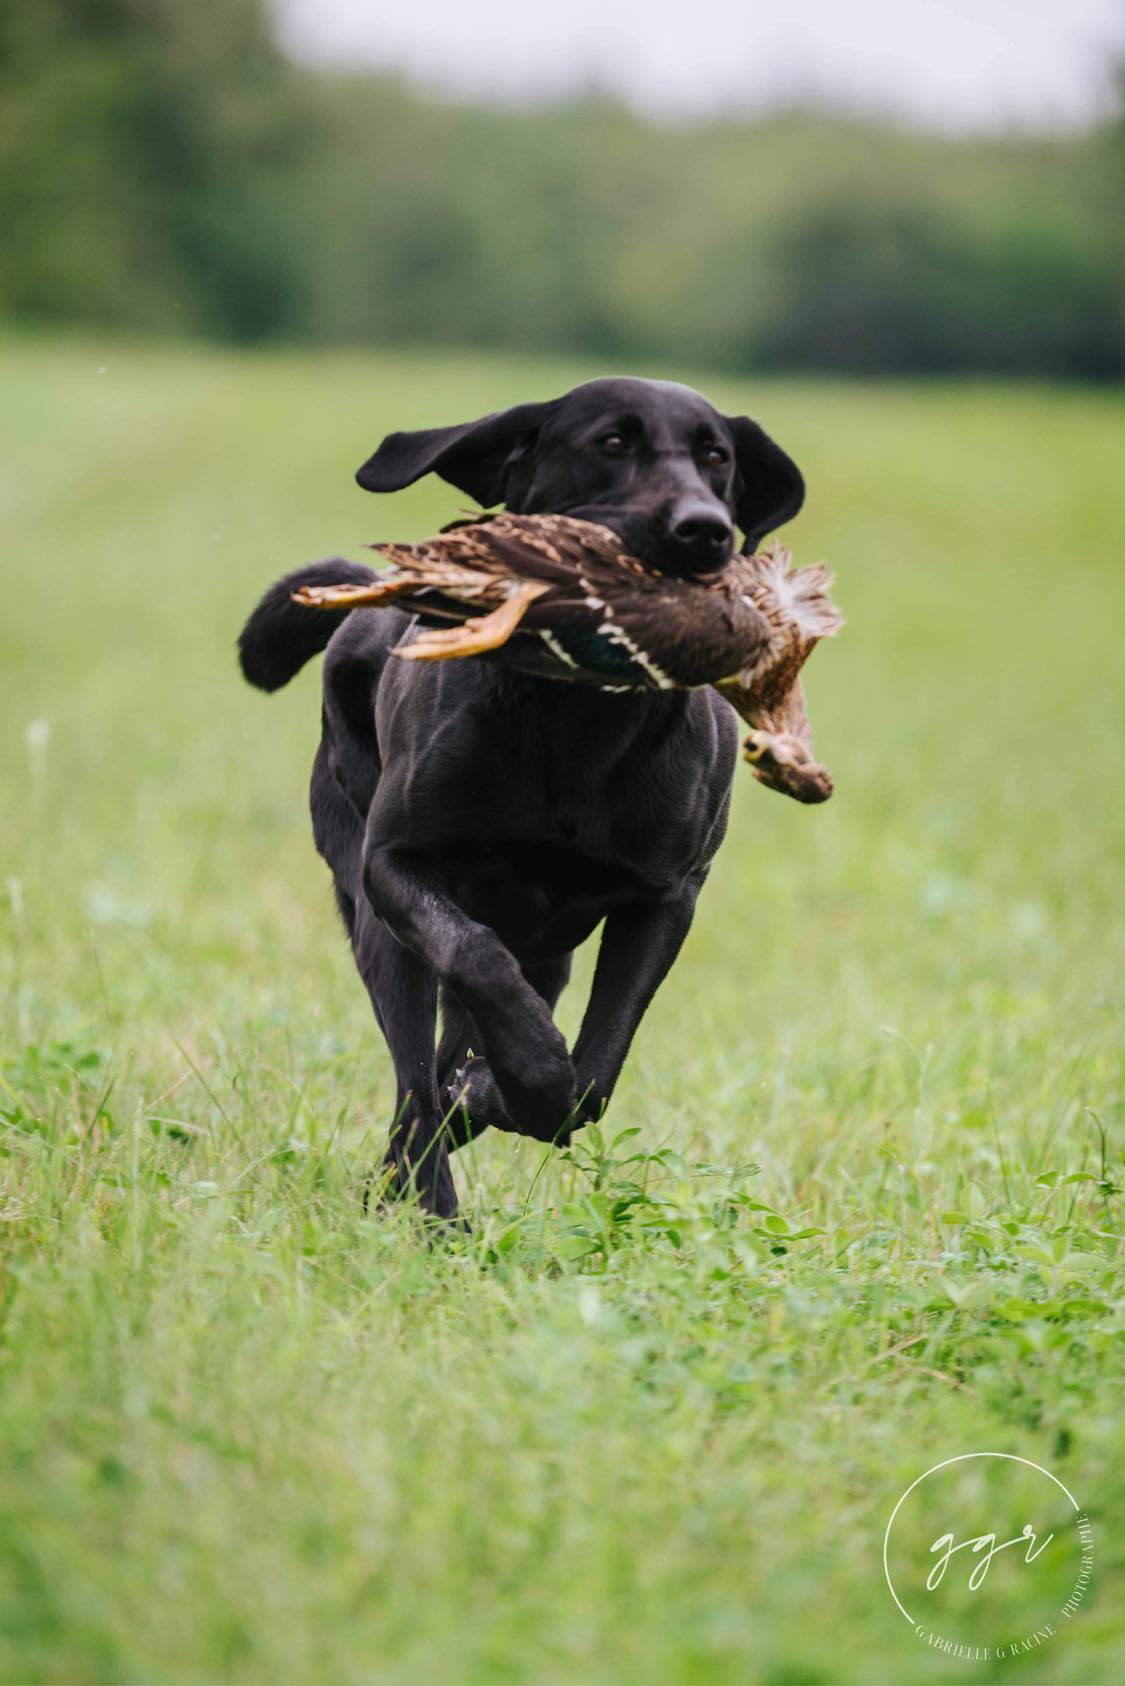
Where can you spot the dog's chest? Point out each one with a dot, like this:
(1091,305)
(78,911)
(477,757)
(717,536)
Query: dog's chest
(541,899)
(547,806)
(577,827)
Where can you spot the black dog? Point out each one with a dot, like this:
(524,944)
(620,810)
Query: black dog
(480,823)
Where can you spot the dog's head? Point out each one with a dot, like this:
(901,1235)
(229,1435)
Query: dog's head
(650,459)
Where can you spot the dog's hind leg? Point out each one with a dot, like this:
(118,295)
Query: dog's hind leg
(548,978)
(403,992)
(465,1083)
(458,1040)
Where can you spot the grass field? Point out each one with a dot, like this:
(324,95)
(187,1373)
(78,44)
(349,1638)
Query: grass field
(850,1213)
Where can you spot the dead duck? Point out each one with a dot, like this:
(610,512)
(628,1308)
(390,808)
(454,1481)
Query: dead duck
(561,598)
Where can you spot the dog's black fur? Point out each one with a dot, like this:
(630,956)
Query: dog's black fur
(481,823)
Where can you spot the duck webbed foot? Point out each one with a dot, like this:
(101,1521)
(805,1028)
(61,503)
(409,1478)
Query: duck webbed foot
(383,589)
(474,637)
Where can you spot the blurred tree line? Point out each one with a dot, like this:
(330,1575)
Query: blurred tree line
(164,166)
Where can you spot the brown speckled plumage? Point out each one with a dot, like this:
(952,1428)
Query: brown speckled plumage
(563,599)
(768,693)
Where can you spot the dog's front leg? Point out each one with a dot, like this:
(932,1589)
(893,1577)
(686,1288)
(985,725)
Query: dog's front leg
(639,945)
(525,1052)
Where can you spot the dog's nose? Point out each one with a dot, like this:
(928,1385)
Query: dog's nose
(702,532)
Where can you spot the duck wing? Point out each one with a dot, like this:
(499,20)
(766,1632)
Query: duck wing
(606,618)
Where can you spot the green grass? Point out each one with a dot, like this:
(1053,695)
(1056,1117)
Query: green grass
(649,1422)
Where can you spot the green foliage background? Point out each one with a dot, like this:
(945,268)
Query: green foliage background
(162,166)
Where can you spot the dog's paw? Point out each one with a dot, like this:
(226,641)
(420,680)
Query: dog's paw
(474,1092)
(431,1185)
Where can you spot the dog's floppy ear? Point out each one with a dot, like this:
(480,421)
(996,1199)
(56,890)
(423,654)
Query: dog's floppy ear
(769,488)
(474,456)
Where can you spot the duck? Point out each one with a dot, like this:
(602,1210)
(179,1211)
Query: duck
(560,597)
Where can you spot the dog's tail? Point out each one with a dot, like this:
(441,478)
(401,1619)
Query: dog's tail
(280,636)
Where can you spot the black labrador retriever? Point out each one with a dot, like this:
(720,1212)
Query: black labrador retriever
(481,823)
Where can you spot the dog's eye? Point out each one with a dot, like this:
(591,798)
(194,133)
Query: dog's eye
(714,456)
(613,444)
